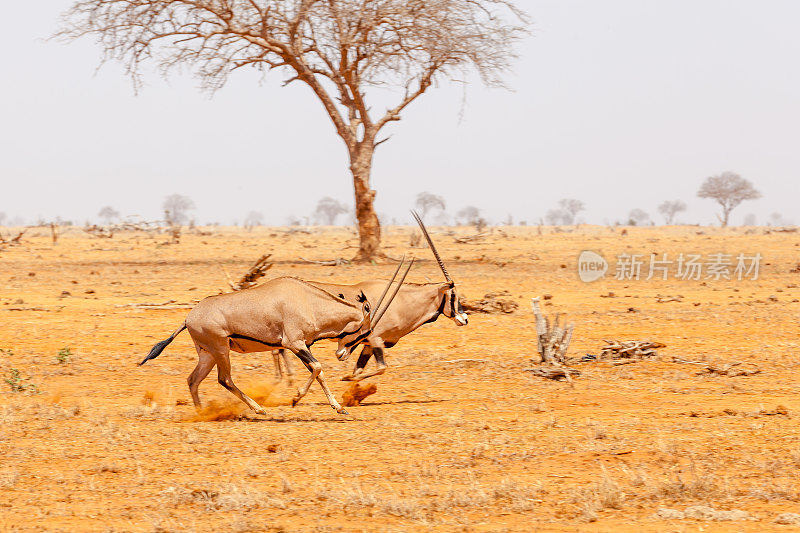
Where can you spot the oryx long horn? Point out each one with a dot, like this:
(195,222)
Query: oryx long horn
(386,290)
(380,313)
(433,248)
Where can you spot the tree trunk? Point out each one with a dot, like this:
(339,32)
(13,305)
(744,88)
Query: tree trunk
(369,228)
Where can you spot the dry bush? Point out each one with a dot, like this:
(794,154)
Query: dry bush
(603,494)
(8,478)
(226,497)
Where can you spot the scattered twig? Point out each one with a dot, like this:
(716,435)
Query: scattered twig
(470,238)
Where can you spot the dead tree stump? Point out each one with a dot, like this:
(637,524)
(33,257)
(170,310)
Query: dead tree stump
(553,338)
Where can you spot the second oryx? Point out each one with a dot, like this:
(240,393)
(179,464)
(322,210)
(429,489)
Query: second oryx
(416,304)
(285,312)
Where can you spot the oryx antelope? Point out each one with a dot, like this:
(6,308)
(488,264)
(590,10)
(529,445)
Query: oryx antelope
(415,305)
(285,312)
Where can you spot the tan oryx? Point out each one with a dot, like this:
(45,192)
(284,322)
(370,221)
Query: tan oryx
(415,305)
(285,312)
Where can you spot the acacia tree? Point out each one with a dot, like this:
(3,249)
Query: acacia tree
(729,190)
(340,49)
(670,208)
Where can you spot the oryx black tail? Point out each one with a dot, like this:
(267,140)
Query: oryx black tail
(156,350)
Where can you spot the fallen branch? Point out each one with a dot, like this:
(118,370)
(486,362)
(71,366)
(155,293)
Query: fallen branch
(169,304)
(333,262)
(555,373)
(253,274)
(470,238)
(493,302)
(729,369)
(630,349)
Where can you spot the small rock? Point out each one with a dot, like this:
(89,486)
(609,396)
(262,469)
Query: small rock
(704,512)
(18,301)
(700,512)
(665,513)
(788,519)
(64,294)
(547,297)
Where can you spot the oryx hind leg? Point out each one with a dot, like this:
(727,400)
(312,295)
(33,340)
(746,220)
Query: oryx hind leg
(277,356)
(315,367)
(276,359)
(204,365)
(287,363)
(222,358)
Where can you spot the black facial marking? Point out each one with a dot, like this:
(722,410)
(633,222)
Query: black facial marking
(358,339)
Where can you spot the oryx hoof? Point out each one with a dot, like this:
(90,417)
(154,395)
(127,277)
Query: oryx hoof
(295,401)
(342,411)
(261,411)
(349,378)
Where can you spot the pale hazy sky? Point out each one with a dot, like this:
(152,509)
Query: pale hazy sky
(621,104)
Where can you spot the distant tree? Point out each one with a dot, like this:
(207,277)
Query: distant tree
(558,217)
(750,220)
(253,219)
(176,208)
(564,214)
(427,202)
(2,218)
(571,206)
(776,219)
(729,190)
(292,220)
(637,217)
(108,214)
(328,209)
(670,208)
(468,216)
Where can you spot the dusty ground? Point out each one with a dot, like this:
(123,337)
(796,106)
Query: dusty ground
(444,445)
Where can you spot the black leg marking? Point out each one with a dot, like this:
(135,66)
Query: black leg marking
(379,357)
(363,359)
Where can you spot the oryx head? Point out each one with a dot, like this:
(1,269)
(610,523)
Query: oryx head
(450,304)
(372,314)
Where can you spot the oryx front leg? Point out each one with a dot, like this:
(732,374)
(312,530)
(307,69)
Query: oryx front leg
(315,367)
(204,365)
(359,374)
(222,358)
